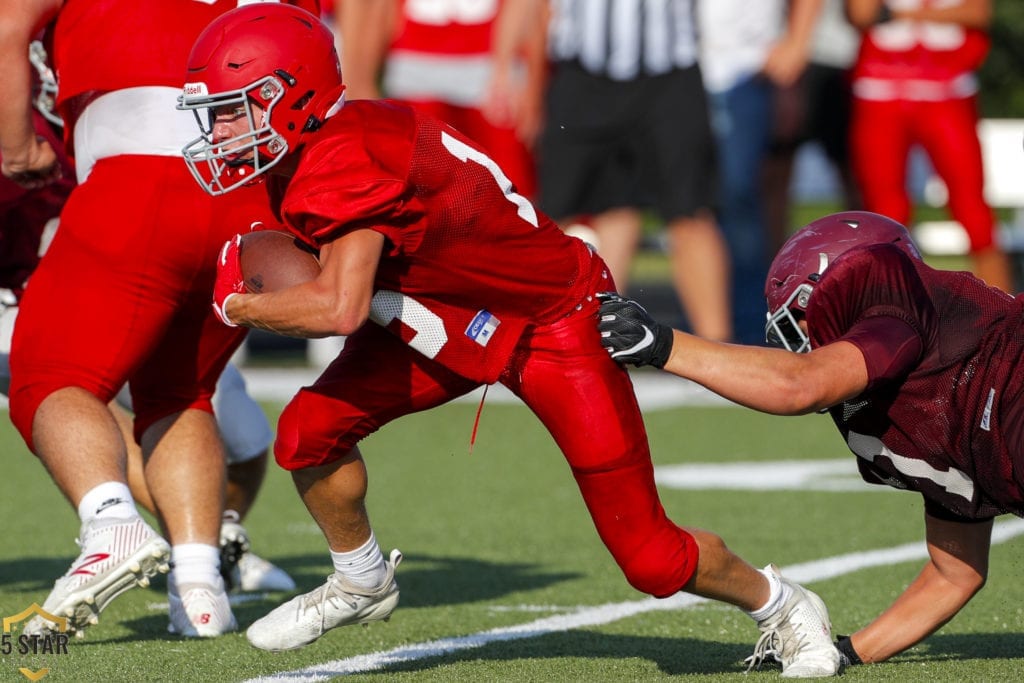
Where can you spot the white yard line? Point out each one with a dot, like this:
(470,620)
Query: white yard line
(807,572)
(654,390)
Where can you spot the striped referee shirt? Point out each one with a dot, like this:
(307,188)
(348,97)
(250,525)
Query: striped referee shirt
(624,39)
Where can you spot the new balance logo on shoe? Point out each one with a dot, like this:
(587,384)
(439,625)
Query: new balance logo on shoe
(199,610)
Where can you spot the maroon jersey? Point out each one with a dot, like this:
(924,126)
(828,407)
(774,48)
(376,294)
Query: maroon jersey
(945,419)
(468,263)
(25,213)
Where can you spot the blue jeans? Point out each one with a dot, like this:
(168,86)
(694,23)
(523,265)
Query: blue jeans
(742,119)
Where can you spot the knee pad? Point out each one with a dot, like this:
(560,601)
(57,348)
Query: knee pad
(656,556)
(310,437)
(664,564)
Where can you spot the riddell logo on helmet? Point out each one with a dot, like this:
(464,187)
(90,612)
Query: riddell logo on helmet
(196,89)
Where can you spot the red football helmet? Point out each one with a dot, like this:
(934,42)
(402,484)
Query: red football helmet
(277,65)
(804,257)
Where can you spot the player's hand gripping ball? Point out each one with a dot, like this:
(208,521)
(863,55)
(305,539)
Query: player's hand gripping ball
(260,262)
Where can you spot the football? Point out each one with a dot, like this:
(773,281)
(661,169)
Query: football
(272,260)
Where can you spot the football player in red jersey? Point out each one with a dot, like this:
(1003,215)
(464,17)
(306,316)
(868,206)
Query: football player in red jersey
(443,279)
(28,222)
(918,369)
(130,273)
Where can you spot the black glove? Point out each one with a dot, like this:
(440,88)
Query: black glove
(630,335)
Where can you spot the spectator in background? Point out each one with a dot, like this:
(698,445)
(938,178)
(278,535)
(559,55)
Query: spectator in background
(914,84)
(815,109)
(478,66)
(131,263)
(747,50)
(626,130)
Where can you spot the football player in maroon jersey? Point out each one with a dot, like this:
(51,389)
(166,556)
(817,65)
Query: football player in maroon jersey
(443,279)
(919,370)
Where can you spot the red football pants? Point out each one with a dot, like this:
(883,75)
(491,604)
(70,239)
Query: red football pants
(562,373)
(124,293)
(881,136)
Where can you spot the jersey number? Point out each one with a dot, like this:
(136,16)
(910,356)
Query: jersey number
(430,338)
(464,153)
(387,305)
(952,480)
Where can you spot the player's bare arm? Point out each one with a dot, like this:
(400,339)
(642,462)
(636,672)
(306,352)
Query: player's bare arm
(766,379)
(509,102)
(788,57)
(956,570)
(771,380)
(337,302)
(367,27)
(27,158)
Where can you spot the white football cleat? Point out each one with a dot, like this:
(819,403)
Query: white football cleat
(117,554)
(199,610)
(306,617)
(255,574)
(799,635)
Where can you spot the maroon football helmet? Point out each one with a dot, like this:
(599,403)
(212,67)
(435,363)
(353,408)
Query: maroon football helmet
(804,257)
(278,65)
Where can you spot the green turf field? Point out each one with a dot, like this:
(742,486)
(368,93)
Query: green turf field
(504,578)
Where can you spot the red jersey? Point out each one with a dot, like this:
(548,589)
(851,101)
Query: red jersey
(468,263)
(919,60)
(441,52)
(106,45)
(446,28)
(947,421)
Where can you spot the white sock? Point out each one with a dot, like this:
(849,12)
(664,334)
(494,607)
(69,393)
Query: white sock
(363,566)
(195,563)
(778,594)
(109,499)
